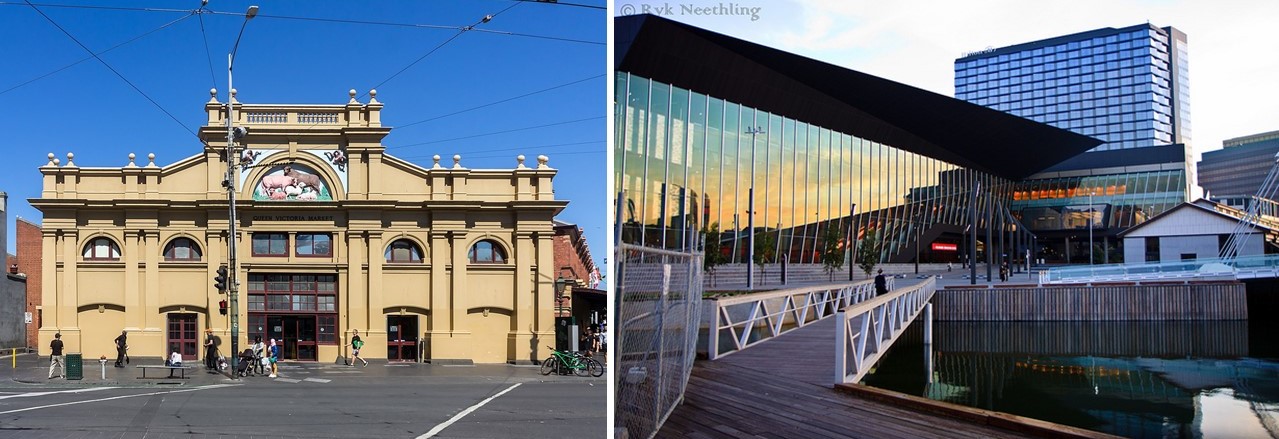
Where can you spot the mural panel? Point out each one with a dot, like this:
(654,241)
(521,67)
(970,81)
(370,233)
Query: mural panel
(291,182)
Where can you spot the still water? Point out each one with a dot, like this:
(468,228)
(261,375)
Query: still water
(1133,379)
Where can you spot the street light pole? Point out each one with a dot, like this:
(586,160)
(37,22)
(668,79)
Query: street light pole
(750,213)
(233,281)
(1090,259)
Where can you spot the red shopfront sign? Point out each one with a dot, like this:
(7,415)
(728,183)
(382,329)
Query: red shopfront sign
(945,247)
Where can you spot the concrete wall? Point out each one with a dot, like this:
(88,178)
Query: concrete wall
(13,299)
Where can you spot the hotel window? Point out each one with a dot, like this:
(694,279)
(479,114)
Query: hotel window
(403,251)
(270,244)
(487,252)
(102,249)
(314,244)
(182,249)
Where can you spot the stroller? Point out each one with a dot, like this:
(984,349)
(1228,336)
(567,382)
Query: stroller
(245,366)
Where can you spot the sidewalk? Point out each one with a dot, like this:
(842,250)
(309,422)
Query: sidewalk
(33,370)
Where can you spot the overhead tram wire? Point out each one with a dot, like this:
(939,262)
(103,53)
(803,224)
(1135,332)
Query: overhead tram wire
(495,133)
(209,57)
(117,46)
(559,3)
(499,101)
(331,20)
(485,151)
(486,19)
(113,70)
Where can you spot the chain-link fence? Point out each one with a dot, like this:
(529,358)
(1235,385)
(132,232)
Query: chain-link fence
(659,294)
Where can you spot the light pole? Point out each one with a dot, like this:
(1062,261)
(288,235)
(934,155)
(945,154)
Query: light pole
(1090,259)
(750,210)
(233,283)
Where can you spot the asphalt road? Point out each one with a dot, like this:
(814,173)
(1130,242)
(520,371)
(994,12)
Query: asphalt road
(311,400)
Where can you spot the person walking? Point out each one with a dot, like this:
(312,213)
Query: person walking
(55,357)
(881,283)
(948,267)
(121,347)
(210,352)
(275,355)
(356,344)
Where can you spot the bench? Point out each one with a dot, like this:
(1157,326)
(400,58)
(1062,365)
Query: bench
(171,369)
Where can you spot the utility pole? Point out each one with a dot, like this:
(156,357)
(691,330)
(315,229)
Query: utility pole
(233,284)
(852,238)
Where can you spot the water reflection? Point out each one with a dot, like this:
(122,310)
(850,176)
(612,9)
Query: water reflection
(1146,379)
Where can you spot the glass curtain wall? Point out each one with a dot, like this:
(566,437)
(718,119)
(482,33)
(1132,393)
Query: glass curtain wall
(687,163)
(1118,201)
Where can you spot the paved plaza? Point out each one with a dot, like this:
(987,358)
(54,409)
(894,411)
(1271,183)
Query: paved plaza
(306,400)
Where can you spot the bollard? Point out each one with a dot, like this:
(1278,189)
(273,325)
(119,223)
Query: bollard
(14,356)
(103,361)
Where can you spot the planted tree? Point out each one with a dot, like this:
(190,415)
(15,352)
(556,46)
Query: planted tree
(868,252)
(765,250)
(832,252)
(713,255)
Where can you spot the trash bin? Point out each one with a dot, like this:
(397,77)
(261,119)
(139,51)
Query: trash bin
(75,366)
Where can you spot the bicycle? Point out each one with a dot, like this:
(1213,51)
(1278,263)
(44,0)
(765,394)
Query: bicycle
(593,366)
(562,362)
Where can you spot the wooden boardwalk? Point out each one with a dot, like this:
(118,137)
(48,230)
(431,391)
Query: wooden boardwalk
(783,389)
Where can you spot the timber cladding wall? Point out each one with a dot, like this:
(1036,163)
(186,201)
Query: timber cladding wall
(1201,301)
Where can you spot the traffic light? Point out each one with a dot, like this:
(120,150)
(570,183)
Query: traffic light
(219,282)
(222,306)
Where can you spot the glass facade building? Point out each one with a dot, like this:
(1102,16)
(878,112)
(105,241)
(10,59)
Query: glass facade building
(769,154)
(1236,171)
(1127,87)
(686,162)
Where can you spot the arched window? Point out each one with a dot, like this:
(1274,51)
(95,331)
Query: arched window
(102,249)
(487,252)
(182,249)
(403,251)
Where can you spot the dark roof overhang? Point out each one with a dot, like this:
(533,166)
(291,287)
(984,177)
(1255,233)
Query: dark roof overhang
(840,99)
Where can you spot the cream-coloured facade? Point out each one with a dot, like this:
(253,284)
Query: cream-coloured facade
(439,261)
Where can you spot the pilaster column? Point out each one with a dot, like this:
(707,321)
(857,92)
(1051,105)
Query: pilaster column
(133,312)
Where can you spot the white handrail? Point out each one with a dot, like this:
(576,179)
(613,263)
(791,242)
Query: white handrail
(738,316)
(865,331)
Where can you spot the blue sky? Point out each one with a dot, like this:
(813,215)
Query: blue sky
(527,47)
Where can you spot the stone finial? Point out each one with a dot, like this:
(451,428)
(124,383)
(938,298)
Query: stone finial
(457,161)
(131,164)
(541,162)
(151,156)
(52,161)
(373,96)
(213,95)
(519,160)
(232,98)
(57,162)
(436,158)
(70,157)
(352,93)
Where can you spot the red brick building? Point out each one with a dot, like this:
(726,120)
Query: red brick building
(577,278)
(29,259)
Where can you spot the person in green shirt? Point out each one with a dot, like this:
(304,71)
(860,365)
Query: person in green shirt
(356,344)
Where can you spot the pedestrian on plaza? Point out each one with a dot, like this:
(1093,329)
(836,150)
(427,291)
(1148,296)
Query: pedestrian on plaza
(881,283)
(1003,272)
(55,357)
(356,344)
(584,342)
(275,355)
(175,360)
(210,352)
(258,350)
(598,339)
(948,267)
(121,347)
